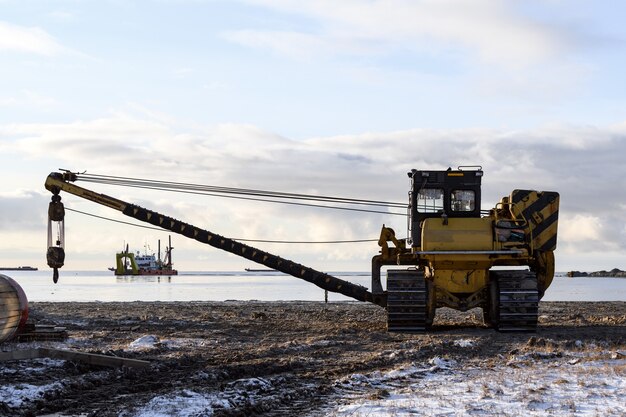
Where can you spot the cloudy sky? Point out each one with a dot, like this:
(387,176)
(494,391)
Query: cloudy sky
(321,97)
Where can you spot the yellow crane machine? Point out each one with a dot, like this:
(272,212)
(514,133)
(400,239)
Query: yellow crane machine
(455,255)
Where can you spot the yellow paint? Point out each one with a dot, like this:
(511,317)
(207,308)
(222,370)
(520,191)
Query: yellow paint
(459,234)
(450,261)
(536,218)
(460,280)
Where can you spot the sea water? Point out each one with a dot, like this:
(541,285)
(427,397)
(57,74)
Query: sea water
(262,286)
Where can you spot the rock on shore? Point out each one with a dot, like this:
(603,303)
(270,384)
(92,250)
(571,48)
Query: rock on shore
(615,272)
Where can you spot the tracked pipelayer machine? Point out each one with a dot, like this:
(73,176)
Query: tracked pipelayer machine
(455,255)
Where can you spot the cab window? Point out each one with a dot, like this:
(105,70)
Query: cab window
(462,200)
(430,200)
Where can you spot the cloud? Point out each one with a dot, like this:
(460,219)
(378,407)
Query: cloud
(592,233)
(29,99)
(584,164)
(105,137)
(62,15)
(183,72)
(496,32)
(300,46)
(21,210)
(31,40)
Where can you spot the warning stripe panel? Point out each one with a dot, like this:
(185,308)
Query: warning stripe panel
(544,235)
(530,202)
(549,219)
(518,195)
(544,222)
(540,209)
(549,245)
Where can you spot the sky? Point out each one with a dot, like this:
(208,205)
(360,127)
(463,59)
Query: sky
(318,97)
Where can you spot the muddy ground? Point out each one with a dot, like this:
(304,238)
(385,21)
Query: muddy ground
(272,358)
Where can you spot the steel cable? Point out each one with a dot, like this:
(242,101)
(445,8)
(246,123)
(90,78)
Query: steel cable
(244,194)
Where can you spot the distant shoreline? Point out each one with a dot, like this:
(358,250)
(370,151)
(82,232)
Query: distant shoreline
(613,273)
(19,268)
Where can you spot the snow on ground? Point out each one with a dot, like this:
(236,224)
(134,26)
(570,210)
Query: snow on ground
(240,394)
(146,342)
(183,404)
(34,366)
(16,395)
(150,341)
(539,379)
(528,385)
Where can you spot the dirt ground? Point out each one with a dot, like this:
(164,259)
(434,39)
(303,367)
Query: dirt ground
(274,358)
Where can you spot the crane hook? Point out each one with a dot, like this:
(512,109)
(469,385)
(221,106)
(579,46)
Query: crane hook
(56,241)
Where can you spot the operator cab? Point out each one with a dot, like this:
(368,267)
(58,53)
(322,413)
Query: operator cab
(445,194)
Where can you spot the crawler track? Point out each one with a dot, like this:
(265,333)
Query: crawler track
(406,301)
(518,301)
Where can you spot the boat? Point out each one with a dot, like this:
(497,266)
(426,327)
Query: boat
(127,263)
(19,268)
(260,270)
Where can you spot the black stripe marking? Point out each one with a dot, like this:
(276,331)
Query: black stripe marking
(546,223)
(537,206)
(519,195)
(549,245)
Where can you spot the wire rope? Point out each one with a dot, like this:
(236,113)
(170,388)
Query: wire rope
(238,239)
(176,186)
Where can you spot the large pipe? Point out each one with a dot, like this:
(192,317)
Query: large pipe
(13,308)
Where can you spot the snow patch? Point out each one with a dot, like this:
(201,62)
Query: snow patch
(464,343)
(186,342)
(251,383)
(32,366)
(394,377)
(240,394)
(15,396)
(184,404)
(439,363)
(549,387)
(297,345)
(145,343)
